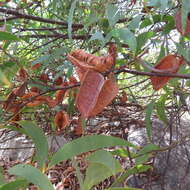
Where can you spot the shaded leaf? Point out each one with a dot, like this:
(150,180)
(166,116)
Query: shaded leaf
(96,173)
(134,170)
(2,179)
(4,79)
(185,12)
(178,21)
(160,107)
(14,185)
(105,158)
(8,36)
(85,144)
(39,139)
(126,36)
(113,14)
(70,18)
(33,175)
(149,109)
(97,36)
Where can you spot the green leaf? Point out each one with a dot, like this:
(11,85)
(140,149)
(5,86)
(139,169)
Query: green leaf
(143,38)
(134,170)
(134,24)
(70,18)
(145,153)
(95,173)
(2,179)
(149,109)
(160,107)
(39,139)
(159,3)
(105,158)
(162,53)
(122,152)
(33,175)
(14,185)
(148,148)
(184,13)
(85,144)
(4,79)
(8,36)
(113,14)
(126,36)
(97,36)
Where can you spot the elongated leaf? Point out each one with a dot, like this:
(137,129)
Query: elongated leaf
(126,36)
(2,179)
(113,14)
(96,173)
(8,36)
(160,107)
(39,140)
(184,13)
(136,169)
(134,24)
(70,18)
(145,153)
(14,185)
(148,148)
(148,111)
(4,79)
(143,38)
(85,144)
(33,175)
(105,158)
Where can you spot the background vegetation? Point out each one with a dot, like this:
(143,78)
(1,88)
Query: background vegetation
(38,82)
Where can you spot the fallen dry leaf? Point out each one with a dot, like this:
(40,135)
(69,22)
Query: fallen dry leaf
(61,120)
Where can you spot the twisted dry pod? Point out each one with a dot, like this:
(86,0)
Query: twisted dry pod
(85,61)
